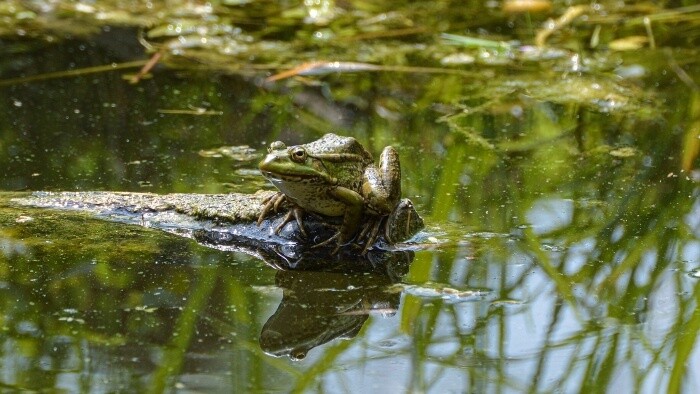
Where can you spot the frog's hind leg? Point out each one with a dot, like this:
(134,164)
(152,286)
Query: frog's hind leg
(382,185)
(371,230)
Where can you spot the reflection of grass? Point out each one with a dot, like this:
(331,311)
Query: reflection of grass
(325,364)
(691,142)
(631,215)
(173,356)
(685,344)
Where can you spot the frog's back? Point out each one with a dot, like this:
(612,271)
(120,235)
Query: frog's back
(333,144)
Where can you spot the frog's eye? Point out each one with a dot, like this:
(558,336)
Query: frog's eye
(297,154)
(277,145)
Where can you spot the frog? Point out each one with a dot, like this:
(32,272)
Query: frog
(336,177)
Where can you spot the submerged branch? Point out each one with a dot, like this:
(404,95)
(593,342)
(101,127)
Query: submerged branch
(323,68)
(73,73)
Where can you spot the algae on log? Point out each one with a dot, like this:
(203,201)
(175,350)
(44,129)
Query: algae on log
(222,221)
(233,208)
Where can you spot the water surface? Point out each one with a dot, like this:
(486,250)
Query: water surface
(562,248)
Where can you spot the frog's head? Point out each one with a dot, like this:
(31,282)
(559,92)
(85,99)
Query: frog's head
(320,162)
(293,164)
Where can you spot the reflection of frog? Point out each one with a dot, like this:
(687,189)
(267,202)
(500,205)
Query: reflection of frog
(334,176)
(318,307)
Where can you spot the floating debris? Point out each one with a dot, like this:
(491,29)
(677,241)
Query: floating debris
(191,111)
(626,151)
(323,68)
(552,248)
(442,291)
(566,19)
(70,319)
(238,153)
(488,235)
(474,42)
(526,6)
(631,43)
(457,58)
(506,302)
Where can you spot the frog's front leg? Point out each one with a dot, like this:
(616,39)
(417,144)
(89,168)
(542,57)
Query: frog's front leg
(382,185)
(272,204)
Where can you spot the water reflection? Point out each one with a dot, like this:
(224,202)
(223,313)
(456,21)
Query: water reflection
(319,307)
(535,311)
(164,311)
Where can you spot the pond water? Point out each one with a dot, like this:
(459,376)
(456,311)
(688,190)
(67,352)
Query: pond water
(561,253)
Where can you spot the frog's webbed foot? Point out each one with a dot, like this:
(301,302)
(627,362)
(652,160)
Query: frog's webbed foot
(294,213)
(370,231)
(271,204)
(366,236)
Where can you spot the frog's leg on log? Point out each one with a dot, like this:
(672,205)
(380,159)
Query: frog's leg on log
(273,203)
(270,204)
(371,230)
(294,213)
(354,206)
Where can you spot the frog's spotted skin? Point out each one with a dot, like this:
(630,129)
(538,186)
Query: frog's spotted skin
(333,176)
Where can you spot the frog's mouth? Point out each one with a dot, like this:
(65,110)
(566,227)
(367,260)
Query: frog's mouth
(306,177)
(286,177)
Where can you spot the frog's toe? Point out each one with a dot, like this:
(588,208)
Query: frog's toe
(263,213)
(270,204)
(298,214)
(287,218)
(329,240)
(294,213)
(370,233)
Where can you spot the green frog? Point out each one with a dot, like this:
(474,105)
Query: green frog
(334,176)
